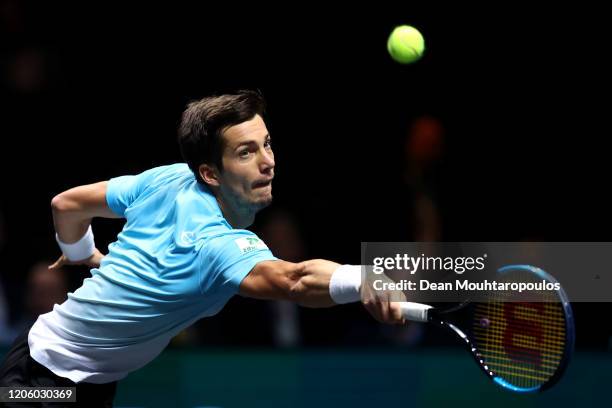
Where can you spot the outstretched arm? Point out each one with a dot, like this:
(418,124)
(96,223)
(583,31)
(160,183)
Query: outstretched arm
(316,283)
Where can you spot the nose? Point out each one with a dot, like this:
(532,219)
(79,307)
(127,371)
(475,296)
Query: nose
(266,164)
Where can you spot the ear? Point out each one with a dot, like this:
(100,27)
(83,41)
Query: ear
(209,174)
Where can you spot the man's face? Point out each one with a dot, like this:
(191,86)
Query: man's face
(248,165)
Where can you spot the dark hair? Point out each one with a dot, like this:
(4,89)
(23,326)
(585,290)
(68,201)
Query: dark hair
(203,122)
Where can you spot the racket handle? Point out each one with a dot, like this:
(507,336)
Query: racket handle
(416,312)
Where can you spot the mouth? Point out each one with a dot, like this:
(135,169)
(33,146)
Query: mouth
(262,183)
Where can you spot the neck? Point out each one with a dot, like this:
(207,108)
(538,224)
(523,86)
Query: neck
(237,216)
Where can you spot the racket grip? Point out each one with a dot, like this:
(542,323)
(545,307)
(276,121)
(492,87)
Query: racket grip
(416,312)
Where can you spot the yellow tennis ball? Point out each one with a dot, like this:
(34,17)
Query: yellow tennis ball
(406,44)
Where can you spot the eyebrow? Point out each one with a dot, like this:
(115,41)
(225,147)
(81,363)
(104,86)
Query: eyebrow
(251,141)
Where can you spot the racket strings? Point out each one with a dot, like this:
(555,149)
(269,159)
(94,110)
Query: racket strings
(521,342)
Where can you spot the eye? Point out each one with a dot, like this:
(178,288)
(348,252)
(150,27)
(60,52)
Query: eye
(268,144)
(244,153)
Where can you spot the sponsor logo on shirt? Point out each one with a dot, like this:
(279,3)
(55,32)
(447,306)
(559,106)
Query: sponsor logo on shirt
(250,244)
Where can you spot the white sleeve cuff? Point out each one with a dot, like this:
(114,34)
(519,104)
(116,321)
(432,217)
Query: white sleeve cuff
(345,284)
(82,249)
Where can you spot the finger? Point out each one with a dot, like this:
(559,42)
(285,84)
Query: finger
(56,264)
(373,309)
(373,304)
(396,313)
(383,306)
(388,309)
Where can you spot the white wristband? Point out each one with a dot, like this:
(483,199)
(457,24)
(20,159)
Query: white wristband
(82,249)
(345,284)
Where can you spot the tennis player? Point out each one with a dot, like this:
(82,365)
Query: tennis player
(182,254)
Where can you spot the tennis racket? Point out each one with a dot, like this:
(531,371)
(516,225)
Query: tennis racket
(521,346)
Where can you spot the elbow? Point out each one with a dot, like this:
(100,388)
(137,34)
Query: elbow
(58,203)
(61,203)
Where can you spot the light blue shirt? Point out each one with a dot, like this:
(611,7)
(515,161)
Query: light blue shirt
(176,260)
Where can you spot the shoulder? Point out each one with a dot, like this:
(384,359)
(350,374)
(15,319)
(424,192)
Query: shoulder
(178,169)
(168,174)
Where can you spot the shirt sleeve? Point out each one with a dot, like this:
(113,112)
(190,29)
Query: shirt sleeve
(122,191)
(228,258)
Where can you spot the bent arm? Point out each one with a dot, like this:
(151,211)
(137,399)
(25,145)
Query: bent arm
(74,209)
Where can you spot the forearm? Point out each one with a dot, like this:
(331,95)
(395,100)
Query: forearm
(306,283)
(318,283)
(311,286)
(70,224)
(74,209)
